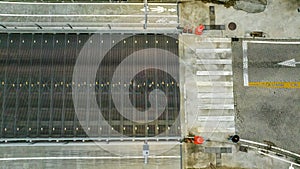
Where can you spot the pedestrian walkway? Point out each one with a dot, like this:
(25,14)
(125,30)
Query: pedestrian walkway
(211,113)
(88,17)
(280,20)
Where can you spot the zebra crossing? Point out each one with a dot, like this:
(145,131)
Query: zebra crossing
(210,110)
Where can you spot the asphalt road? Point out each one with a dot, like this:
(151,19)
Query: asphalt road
(264,113)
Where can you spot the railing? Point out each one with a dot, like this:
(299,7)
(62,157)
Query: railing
(265,149)
(89,139)
(39,17)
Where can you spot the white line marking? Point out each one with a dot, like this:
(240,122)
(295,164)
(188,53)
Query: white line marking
(222,40)
(84,158)
(215,61)
(245,64)
(291,63)
(117,4)
(216,50)
(274,42)
(215,118)
(214,83)
(213,73)
(85,15)
(216,129)
(215,95)
(215,89)
(216,107)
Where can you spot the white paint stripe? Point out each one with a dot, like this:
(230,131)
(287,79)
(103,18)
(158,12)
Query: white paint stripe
(86,15)
(213,73)
(221,40)
(274,42)
(216,129)
(85,158)
(214,83)
(215,61)
(216,50)
(216,106)
(78,3)
(215,118)
(278,158)
(215,95)
(215,89)
(245,64)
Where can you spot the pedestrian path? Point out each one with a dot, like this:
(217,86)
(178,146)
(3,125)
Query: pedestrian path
(88,17)
(209,110)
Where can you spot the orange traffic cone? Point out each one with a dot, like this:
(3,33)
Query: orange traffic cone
(199,29)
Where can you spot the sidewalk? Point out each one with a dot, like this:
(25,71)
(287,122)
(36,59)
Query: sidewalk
(280,20)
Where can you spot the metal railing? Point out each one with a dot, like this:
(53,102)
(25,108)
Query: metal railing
(87,17)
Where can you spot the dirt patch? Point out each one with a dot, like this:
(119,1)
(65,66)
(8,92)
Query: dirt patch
(227,4)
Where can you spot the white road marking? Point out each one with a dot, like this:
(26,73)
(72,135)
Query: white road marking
(214,83)
(172,10)
(215,118)
(291,63)
(215,95)
(213,73)
(86,15)
(216,106)
(245,57)
(158,9)
(143,9)
(76,3)
(274,42)
(216,50)
(245,63)
(215,61)
(212,99)
(210,129)
(85,158)
(219,40)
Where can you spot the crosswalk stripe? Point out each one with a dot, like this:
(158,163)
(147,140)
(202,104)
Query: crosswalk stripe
(217,40)
(215,95)
(214,61)
(218,89)
(216,129)
(213,73)
(216,106)
(216,50)
(214,83)
(215,118)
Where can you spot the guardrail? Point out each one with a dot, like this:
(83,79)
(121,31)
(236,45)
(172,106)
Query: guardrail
(87,139)
(267,148)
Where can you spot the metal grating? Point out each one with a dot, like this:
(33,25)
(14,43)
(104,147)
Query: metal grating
(36,76)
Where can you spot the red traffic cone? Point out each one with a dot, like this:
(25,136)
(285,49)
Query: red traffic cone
(199,29)
(198,140)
